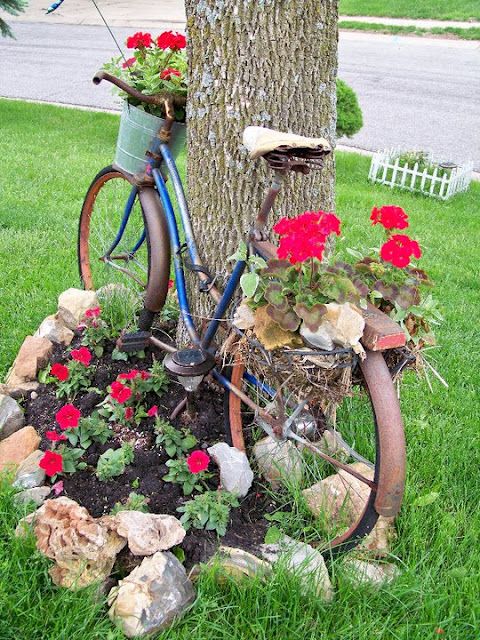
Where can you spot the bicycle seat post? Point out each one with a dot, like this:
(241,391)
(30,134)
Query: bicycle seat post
(257,232)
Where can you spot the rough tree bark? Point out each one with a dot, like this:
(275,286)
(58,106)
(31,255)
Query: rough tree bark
(254,62)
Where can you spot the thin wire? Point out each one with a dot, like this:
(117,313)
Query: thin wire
(110,31)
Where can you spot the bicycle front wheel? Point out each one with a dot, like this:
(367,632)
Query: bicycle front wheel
(123,241)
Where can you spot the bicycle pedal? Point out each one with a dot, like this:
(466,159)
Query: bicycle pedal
(130,342)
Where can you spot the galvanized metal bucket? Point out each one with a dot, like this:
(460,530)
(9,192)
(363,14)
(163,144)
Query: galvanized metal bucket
(138,130)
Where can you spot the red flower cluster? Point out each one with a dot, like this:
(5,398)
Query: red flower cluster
(82,355)
(60,371)
(167,74)
(120,392)
(134,373)
(51,463)
(68,417)
(94,312)
(139,40)
(198,461)
(171,40)
(390,217)
(398,249)
(53,436)
(129,63)
(304,237)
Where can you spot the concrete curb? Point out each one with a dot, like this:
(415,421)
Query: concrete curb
(407,22)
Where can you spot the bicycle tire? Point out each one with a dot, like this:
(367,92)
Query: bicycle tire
(155,252)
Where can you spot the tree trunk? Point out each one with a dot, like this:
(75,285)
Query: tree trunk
(268,63)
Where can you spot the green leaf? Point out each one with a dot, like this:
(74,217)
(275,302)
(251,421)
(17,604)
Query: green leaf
(119,355)
(273,535)
(249,283)
(98,350)
(179,553)
(426,499)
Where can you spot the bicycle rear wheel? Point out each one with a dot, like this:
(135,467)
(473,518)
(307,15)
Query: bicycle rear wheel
(371,428)
(123,241)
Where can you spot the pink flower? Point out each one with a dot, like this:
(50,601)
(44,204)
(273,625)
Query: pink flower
(68,416)
(82,355)
(94,312)
(198,461)
(57,488)
(53,436)
(153,411)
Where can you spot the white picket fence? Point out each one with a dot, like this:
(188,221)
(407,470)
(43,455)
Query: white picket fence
(386,169)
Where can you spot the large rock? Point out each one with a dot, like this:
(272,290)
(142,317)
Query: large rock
(17,447)
(33,356)
(38,495)
(11,416)
(236,475)
(304,561)
(148,599)
(72,305)
(374,574)
(84,549)
(19,390)
(29,474)
(341,498)
(148,533)
(55,330)
(278,460)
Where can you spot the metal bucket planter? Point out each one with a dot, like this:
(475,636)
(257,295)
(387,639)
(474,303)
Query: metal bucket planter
(137,132)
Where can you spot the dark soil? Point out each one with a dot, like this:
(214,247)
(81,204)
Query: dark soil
(206,421)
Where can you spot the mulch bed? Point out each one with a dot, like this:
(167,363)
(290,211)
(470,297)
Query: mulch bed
(205,420)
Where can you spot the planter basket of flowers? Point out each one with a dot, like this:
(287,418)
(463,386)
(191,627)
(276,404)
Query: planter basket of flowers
(157,68)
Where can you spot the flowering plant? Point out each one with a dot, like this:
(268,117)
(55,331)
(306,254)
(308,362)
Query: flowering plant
(175,442)
(209,510)
(72,377)
(189,472)
(156,66)
(96,332)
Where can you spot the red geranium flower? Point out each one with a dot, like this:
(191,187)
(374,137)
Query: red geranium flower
(51,463)
(153,411)
(170,40)
(304,237)
(68,416)
(167,74)
(398,250)
(82,355)
(120,392)
(53,436)
(60,371)
(139,40)
(198,461)
(94,312)
(145,375)
(130,375)
(128,414)
(390,217)
(129,63)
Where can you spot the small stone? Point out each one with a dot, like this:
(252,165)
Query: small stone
(33,395)
(55,330)
(17,447)
(341,498)
(29,474)
(33,355)
(11,416)
(151,596)
(236,475)
(38,495)
(72,305)
(278,460)
(375,574)
(148,533)
(305,562)
(238,563)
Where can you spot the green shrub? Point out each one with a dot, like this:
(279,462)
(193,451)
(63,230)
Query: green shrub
(349,113)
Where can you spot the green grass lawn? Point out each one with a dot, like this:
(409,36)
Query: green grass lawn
(437,547)
(410,30)
(438,10)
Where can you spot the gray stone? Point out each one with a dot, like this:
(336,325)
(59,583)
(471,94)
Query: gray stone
(29,474)
(149,599)
(148,533)
(11,416)
(38,495)
(236,475)
(72,305)
(375,574)
(239,564)
(278,460)
(55,330)
(305,562)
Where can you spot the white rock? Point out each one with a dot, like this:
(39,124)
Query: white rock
(320,339)
(29,474)
(236,475)
(238,563)
(278,460)
(38,495)
(55,330)
(305,562)
(148,533)
(149,599)
(72,305)
(11,416)
(342,324)
(375,574)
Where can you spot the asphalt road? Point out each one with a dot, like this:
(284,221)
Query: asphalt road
(415,93)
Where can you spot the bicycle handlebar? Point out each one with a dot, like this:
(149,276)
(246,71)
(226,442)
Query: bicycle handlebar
(158,99)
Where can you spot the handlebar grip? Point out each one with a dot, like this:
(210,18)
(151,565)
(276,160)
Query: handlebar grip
(158,99)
